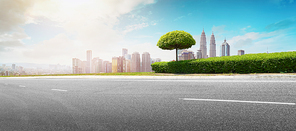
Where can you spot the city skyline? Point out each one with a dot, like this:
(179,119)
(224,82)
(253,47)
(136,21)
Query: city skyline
(53,32)
(124,63)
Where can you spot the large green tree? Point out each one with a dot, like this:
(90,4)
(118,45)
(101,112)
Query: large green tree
(176,40)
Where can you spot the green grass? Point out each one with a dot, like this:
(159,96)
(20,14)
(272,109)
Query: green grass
(99,74)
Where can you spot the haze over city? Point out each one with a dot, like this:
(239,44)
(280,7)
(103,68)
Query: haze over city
(54,32)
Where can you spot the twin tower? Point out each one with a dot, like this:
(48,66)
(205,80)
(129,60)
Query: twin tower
(202,52)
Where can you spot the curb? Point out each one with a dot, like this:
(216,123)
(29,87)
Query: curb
(160,77)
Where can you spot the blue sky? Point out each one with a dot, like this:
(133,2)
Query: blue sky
(55,31)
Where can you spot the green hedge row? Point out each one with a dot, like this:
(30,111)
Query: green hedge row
(248,63)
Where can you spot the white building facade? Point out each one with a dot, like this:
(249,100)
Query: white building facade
(212,46)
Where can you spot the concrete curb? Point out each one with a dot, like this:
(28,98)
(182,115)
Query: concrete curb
(160,77)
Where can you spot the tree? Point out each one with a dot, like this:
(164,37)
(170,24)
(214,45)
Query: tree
(176,40)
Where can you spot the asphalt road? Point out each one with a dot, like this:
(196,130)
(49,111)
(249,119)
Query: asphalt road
(147,104)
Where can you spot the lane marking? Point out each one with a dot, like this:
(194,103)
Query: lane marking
(220,100)
(59,90)
(214,81)
(22,86)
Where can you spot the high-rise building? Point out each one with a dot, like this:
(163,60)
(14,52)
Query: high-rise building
(84,67)
(118,64)
(203,44)
(76,66)
(21,70)
(136,62)
(114,64)
(198,54)
(121,64)
(124,52)
(146,62)
(88,59)
(212,46)
(127,65)
(128,56)
(186,55)
(241,52)
(225,49)
(105,66)
(109,67)
(97,65)
(13,66)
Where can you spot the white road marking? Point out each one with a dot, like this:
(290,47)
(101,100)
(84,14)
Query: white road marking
(219,100)
(59,90)
(22,86)
(215,81)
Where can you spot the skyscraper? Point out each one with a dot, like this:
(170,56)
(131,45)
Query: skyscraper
(186,55)
(13,66)
(124,52)
(127,65)
(118,63)
(136,62)
(105,65)
(198,54)
(96,65)
(240,52)
(128,56)
(121,64)
(114,64)
(203,44)
(109,67)
(212,46)
(76,66)
(225,49)
(88,61)
(84,66)
(146,64)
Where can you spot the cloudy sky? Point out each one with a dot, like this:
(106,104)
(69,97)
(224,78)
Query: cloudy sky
(55,31)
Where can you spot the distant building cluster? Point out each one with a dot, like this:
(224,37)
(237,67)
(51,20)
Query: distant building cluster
(202,52)
(124,63)
(241,52)
(14,70)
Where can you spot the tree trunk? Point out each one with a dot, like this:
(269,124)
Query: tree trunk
(176,54)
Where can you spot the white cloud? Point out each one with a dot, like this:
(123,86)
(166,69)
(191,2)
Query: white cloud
(254,42)
(219,29)
(244,29)
(91,22)
(179,18)
(150,13)
(59,49)
(12,14)
(134,27)
(12,40)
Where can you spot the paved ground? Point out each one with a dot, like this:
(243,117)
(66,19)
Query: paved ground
(148,103)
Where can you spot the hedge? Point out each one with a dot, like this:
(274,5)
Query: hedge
(249,63)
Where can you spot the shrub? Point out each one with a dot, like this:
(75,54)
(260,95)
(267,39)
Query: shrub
(278,62)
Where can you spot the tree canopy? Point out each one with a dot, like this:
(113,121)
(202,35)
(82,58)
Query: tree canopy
(176,40)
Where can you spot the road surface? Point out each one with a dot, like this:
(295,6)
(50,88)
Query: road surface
(104,104)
